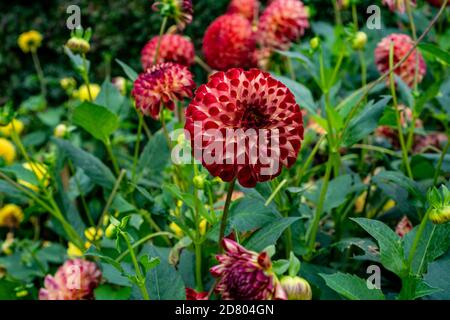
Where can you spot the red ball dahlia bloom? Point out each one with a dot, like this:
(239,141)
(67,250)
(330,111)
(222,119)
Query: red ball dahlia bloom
(247,8)
(229,42)
(162,84)
(173,48)
(398,5)
(179,10)
(402,43)
(231,120)
(281,23)
(437,3)
(245,275)
(75,280)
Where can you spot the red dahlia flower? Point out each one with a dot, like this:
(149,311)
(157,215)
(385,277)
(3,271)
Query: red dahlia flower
(437,3)
(191,294)
(74,280)
(229,42)
(179,10)
(398,5)
(173,48)
(245,275)
(250,103)
(162,84)
(403,227)
(402,43)
(283,22)
(248,8)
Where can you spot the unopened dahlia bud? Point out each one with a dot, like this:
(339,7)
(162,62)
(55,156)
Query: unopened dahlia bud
(359,41)
(199,182)
(439,201)
(296,288)
(440,216)
(60,130)
(78,45)
(179,10)
(314,43)
(111,231)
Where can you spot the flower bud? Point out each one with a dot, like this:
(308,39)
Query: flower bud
(296,288)
(314,43)
(440,215)
(199,182)
(78,45)
(60,131)
(111,231)
(359,41)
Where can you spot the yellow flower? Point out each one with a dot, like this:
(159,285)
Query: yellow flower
(73,251)
(29,41)
(41,173)
(11,216)
(7,244)
(83,93)
(68,83)
(60,130)
(93,234)
(359,203)
(176,229)
(389,205)
(7,151)
(15,124)
(202,226)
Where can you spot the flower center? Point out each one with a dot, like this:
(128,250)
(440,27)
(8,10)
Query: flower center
(254,118)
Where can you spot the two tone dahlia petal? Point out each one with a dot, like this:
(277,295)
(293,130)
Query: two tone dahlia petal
(282,22)
(229,42)
(75,280)
(245,125)
(160,85)
(398,5)
(247,8)
(173,48)
(245,275)
(402,44)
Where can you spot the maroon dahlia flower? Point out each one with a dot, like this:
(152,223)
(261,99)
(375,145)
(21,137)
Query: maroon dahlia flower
(229,42)
(245,275)
(402,43)
(173,48)
(162,84)
(438,3)
(248,8)
(191,294)
(244,124)
(281,23)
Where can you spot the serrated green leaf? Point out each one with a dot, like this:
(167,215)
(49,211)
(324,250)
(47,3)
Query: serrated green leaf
(351,287)
(436,52)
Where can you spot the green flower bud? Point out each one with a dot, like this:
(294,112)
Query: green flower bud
(78,45)
(111,231)
(199,182)
(314,43)
(440,215)
(296,288)
(359,41)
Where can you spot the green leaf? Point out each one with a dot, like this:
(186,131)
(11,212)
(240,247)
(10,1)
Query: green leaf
(154,157)
(302,94)
(369,248)
(352,287)
(11,191)
(109,97)
(436,52)
(91,165)
(413,287)
(438,276)
(365,123)
(77,60)
(391,249)
(97,120)
(269,234)
(149,263)
(109,292)
(131,74)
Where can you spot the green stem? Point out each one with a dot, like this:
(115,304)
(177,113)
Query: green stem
(223,224)
(142,241)
(203,64)
(275,192)
(441,160)
(417,239)
(137,147)
(112,157)
(308,161)
(139,275)
(40,73)
(198,266)
(161,32)
(85,76)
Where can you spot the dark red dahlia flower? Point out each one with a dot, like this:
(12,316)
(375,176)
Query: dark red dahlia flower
(229,42)
(162,84)
(437,3)
(398,5)
(244,124)
(179,10)
(248,8)
(191,294)
(281,23)
(245,275)
(402,43)
(173,48)
(403,227)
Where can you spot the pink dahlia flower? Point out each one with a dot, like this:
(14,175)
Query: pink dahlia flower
(162,85)
(245,275)
(173,48)
(244,125)
(398,5)
(75,280)
(402,43)
(281,23)
(248,8)
(403,227)
(229,42)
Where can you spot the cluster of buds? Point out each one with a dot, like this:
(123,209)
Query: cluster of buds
(439,201)
(79,41)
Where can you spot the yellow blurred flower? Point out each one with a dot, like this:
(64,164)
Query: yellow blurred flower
(29,41)
(60,130)
(389,205)
(11,216)
(202,226)
(41,173)
(73,251)
(359,203)
(7,151)
(176,229)
(6,245)
(68,84)
(83,94)
(15,124)
(93,234)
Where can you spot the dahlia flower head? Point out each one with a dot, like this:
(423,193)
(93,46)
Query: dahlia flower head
(403,227)
(402,43)
(229,42)
(75,280)
(179,10)
(160,85)
(247,8)
(191,294)
(237,102)
(398,5)
(281,23)
(173,48)
(245,275)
